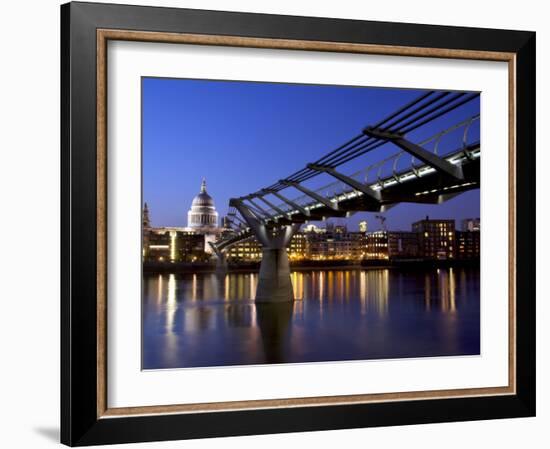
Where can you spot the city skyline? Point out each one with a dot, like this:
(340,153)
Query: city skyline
(344,222)
(294,123)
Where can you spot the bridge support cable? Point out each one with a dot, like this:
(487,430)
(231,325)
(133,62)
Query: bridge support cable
(423,110)
(433,113)
(272,206)
(236,217)
(429,158)
(291,203)
(233,225)
(366,190)
(355,142)
(404,108)
(255,208)
(306,173)
(429,110)
(259,215)
(346,150)
(321,199)
(438,113)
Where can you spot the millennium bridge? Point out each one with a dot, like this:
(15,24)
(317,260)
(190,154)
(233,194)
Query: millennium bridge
(404,172)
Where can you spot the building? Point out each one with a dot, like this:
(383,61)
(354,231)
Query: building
(403,245)
(157,248)
(245,251)
(297,249)
(363,226)
(174,245)
(145,228)
(146,221)
(202,216)
(467,244)
(382,245)
(333,243)
(436,238)
(470,224)
(376,247)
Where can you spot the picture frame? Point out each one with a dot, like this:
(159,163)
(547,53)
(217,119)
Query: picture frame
(86,28)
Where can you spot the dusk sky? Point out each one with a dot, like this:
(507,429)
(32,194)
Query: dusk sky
(244,136)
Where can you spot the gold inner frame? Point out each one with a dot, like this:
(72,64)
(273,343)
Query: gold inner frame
(104,35)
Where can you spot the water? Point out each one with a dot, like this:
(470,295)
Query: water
(192,320)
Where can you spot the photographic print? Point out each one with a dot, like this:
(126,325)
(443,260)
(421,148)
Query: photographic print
(292,207)
(295,223)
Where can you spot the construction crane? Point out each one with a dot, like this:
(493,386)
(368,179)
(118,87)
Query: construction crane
(382,221)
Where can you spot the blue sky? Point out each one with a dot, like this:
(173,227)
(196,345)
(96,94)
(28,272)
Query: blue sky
(243,136)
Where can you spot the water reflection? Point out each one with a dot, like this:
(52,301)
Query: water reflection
(211,320)
(273,322)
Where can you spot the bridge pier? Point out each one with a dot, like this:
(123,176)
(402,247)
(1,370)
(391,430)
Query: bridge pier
(274,284)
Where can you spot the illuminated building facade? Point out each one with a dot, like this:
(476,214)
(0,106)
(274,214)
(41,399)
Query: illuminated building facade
(467,244)
(376,247)
(298,247)
(336,243)
(245,251)
(382,245)
(436,238)
(172,245)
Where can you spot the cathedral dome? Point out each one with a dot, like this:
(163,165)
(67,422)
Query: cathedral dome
(202,199)
(203,212)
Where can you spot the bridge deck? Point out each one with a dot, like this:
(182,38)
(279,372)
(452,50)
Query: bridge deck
(421,185)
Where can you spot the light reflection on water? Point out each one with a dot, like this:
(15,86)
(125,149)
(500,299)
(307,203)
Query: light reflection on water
(204,319)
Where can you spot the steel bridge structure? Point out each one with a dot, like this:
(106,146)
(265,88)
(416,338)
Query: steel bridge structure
(406,172)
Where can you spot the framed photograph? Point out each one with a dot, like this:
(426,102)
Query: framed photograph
(282,224)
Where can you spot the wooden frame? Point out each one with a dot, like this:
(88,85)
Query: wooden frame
(86,29)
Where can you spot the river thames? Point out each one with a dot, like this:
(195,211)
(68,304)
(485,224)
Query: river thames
(199,320)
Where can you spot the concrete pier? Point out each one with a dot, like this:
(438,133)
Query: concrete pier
(274,284)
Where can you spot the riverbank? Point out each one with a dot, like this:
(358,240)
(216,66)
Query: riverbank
(203,267)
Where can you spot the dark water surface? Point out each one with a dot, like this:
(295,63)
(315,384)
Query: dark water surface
(192,320)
